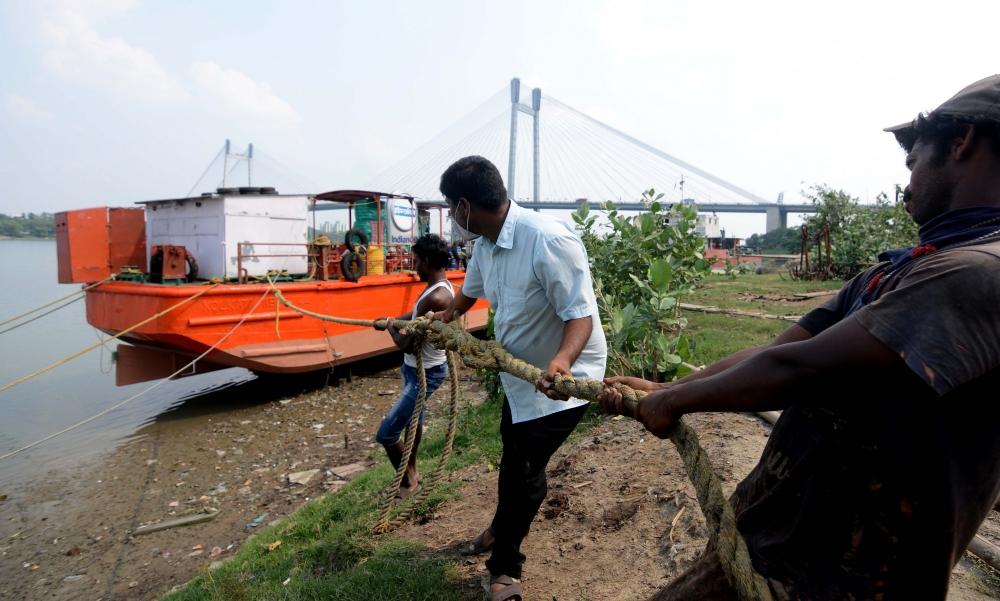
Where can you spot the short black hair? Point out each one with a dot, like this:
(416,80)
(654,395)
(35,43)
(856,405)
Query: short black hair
(476,179)
(941,130)
(432,250)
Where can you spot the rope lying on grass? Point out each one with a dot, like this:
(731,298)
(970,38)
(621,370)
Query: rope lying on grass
(719,516)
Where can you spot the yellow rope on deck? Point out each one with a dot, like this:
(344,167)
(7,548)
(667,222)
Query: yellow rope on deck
(731,548)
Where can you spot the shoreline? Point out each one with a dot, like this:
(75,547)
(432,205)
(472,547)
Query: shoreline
(67,534)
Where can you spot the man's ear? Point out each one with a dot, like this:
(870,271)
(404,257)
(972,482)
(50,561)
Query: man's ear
(962,146)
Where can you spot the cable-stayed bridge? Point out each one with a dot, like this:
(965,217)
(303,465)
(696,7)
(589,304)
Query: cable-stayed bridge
(555,156)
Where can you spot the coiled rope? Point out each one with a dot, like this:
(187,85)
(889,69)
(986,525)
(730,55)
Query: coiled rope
(731,548)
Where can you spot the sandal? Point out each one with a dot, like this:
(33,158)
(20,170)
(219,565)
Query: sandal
(510,592)
(478,545)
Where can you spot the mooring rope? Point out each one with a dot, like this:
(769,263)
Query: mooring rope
(159,382)
(79,292)
(719,516)
(70,357)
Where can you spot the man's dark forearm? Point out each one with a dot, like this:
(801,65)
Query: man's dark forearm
(763,382)
(576,333)
(460,305)
(782,375)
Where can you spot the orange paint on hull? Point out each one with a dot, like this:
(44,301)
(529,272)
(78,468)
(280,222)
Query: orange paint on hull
(298,343)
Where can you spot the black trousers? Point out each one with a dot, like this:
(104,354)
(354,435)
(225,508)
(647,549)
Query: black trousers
(527,448)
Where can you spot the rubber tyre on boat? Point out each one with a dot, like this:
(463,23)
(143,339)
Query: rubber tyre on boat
(352,266)
(355,233)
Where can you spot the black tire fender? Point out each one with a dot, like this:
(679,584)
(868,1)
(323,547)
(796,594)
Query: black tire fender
(352,266)
(361,236)
(192,273)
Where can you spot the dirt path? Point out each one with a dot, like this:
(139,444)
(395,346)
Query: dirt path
(621,519)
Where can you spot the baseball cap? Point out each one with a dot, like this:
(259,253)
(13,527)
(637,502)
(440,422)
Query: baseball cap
(978,101)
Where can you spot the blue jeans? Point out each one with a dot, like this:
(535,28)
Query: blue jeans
(398,418)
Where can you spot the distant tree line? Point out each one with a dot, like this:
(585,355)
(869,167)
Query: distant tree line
(28,225)
(782,241)
(858,232)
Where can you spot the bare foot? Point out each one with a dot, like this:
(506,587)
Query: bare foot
(481,544)
(406,491)
(411,479)
(409,485)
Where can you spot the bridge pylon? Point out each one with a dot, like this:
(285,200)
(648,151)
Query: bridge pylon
(516,106)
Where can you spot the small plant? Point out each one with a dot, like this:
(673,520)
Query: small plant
(729,269)
(641,265)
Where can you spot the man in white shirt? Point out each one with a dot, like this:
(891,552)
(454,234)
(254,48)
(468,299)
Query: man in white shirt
(534,271)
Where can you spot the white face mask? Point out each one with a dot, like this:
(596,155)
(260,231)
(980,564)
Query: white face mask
(462,233)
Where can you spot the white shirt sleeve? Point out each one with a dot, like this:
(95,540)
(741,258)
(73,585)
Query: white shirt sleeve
(472,287)
(561,266)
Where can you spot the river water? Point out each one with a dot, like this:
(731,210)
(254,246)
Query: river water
(76,390)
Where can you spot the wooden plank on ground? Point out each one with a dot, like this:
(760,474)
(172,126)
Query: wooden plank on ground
(986,551)
(186,520)
(807,295)
(737,312)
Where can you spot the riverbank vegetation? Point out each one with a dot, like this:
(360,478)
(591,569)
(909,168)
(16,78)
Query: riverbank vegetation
(27,225)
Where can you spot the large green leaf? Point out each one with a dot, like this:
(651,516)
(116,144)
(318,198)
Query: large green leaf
(659,275)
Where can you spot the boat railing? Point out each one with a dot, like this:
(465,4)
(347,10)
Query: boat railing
(324,259)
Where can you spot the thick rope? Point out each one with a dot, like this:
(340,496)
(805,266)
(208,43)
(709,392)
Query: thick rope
(69,358)
(449,442)
(719,516)
(382,525)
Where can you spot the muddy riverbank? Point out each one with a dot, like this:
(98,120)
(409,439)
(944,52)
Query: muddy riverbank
(67,535)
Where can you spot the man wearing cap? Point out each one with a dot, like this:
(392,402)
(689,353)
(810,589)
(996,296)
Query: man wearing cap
(886,458)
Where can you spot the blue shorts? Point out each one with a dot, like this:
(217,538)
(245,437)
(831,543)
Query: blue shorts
(398,418)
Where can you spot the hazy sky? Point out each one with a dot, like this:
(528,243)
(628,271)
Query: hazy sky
(113,101)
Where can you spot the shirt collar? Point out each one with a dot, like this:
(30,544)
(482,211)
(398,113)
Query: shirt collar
(506,237)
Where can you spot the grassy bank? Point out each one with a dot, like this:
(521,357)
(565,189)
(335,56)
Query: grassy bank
(327,550)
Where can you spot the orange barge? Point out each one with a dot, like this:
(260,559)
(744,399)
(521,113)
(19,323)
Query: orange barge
(256,334)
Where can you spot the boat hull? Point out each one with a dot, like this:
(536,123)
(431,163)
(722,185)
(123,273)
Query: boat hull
(271,338)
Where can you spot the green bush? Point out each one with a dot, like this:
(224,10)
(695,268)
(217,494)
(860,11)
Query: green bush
(641,265)
(858,233)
